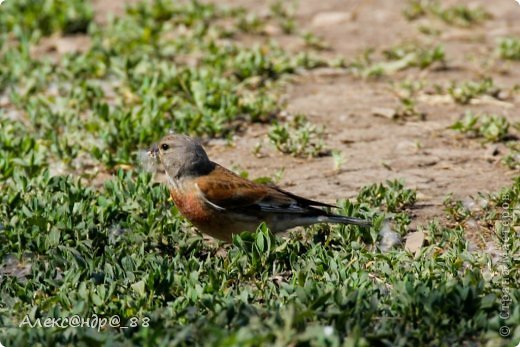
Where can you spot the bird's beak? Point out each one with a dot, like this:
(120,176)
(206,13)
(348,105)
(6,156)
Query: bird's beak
(154,151)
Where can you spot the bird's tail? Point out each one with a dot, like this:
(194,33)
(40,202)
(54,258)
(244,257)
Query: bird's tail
(334,218)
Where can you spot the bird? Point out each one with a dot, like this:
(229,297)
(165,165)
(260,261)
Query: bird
(221,204)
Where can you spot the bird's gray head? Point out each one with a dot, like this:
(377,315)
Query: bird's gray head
(182,156)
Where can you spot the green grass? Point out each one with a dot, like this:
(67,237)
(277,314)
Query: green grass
(283,13)
(139,79)
(455,15)
(512,158)
(414,55)
(509,48)
(70,248)
(491,128)
(124,251)
(463,92)
(407,92)
(398,58)
(45,17)
(298,137)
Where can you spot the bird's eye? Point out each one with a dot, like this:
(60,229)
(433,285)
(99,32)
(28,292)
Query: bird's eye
(164,147)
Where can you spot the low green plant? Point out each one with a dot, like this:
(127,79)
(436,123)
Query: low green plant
(413,55)
(393,195)
(250,23)
(284,13)
(456,15)
(512,158)
(364,65)
(492,128)
(407,92)
(297,137)
(118,246)
(19,152)
(416,9)
(509,48)
(464,92)
(135,82)
(35,18)
(455,210)
(338,158)
(398,58)
(462,15)
(313,41)
(124,251)
(429,30)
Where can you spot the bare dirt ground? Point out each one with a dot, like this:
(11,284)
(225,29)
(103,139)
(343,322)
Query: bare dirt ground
(426,154)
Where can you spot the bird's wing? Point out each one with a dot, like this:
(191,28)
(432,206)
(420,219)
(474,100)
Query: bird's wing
(226,191)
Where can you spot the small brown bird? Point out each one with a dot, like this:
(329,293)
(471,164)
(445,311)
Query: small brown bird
(221,203)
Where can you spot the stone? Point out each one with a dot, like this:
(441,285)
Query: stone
(384,112)
(414,241)
(324,19)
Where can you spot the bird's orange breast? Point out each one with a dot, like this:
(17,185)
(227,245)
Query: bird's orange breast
(191,206)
